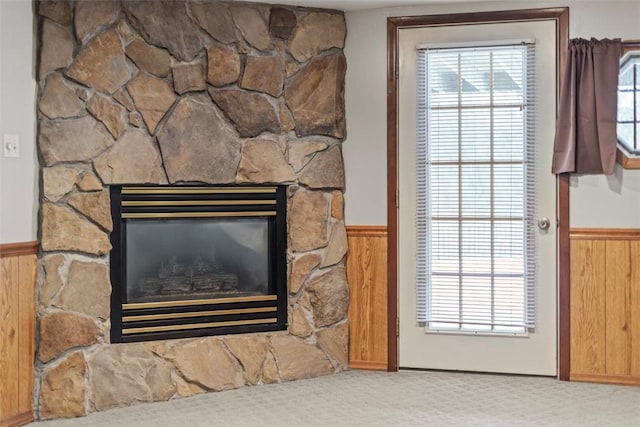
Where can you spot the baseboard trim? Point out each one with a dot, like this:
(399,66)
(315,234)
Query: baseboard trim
(17,420)
(606,379)
(367,365)
(18,249)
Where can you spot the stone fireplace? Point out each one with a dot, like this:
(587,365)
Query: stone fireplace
(176,94)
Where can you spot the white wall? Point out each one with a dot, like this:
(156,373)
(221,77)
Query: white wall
(18,176)
(595,201)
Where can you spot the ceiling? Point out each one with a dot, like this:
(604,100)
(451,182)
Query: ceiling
(358,4)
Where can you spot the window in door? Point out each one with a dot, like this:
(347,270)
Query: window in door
(475,198)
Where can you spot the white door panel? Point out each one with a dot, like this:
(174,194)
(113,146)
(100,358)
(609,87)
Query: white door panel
(531,354)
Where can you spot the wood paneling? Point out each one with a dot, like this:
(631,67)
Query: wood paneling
(26,327)
(588,307)
(617,307)
(634,312)
(17,320)
(8,337)
(605,305)
(367,277)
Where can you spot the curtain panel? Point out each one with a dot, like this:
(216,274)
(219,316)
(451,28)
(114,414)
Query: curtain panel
(585,141)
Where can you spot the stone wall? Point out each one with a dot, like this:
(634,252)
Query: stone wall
(170,92)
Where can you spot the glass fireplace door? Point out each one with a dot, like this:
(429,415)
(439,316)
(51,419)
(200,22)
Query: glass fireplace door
(188,259)
(193,261)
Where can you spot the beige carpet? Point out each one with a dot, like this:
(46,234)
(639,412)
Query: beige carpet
(410,398)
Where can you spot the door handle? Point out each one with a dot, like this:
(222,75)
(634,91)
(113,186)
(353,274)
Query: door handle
(544,223)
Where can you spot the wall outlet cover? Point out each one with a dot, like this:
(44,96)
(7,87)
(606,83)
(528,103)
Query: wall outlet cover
(11,145)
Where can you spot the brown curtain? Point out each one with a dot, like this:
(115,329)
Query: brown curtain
(586,138)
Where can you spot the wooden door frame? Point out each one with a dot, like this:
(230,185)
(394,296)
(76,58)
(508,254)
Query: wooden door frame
(561,16)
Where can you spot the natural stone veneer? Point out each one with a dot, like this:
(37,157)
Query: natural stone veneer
(173,92)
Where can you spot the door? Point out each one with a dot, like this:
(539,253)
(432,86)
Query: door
(466,345)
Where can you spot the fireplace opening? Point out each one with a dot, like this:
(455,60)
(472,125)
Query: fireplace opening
(195,261)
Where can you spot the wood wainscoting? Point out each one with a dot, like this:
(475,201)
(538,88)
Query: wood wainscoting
(605,305)
(17,319)
(367,277)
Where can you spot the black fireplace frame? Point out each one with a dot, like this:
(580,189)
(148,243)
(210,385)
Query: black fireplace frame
(205,317)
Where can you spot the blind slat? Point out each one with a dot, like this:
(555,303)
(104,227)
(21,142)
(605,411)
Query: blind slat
(475,180)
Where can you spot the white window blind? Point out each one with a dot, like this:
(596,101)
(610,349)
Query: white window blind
(475,180)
